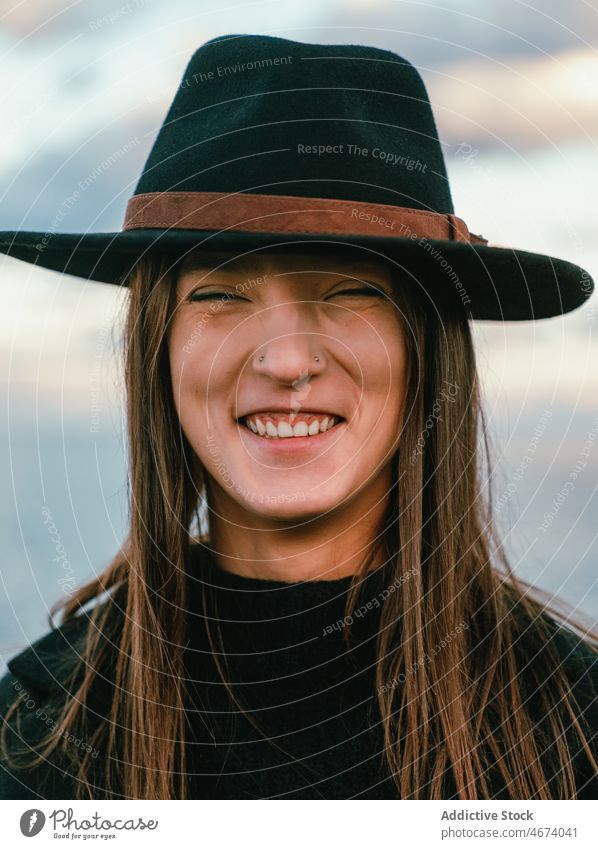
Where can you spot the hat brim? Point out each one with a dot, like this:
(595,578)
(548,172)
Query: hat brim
(493,283)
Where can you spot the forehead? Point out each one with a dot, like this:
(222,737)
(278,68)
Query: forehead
(276,261)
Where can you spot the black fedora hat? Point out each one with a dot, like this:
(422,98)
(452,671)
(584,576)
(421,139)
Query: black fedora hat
(272,142)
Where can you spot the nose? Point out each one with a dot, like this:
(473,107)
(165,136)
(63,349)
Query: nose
(290,359)
(288,348)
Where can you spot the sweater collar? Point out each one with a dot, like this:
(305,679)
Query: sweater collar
(259,590)
(310,606)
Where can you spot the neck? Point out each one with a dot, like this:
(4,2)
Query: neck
(322,548)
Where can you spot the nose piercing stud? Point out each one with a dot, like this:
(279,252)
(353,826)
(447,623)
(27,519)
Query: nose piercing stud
(316,358)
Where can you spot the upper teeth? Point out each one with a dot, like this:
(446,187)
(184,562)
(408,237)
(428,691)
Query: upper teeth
(282,428)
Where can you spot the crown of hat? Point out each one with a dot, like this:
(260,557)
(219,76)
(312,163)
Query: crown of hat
(267,115)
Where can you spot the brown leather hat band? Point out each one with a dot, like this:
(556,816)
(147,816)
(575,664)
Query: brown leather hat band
(253,213)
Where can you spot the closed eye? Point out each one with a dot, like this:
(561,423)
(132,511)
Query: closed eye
(227,296)
(370,290)
(206,296)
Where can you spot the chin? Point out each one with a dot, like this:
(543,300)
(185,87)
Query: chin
(292,505)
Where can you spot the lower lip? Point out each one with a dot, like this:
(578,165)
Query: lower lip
(293,444)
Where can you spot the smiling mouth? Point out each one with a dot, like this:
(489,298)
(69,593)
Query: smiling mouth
(289,426)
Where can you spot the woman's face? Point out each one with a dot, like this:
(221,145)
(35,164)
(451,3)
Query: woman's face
(243,344)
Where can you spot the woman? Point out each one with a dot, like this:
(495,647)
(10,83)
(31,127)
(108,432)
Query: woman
(311,601)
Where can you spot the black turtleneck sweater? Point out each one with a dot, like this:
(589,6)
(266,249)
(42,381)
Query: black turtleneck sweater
(318,731)
(313,700)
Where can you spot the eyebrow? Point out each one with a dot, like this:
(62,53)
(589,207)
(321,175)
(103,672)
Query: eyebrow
(246,264)
(205,263)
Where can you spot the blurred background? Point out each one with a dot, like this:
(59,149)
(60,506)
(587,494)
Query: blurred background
(514,88)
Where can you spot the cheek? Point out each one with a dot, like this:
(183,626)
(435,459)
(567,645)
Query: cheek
(381,357)
(186,365)
(204,375)
(389,391)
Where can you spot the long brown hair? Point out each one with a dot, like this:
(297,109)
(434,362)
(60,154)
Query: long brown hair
(450,644)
